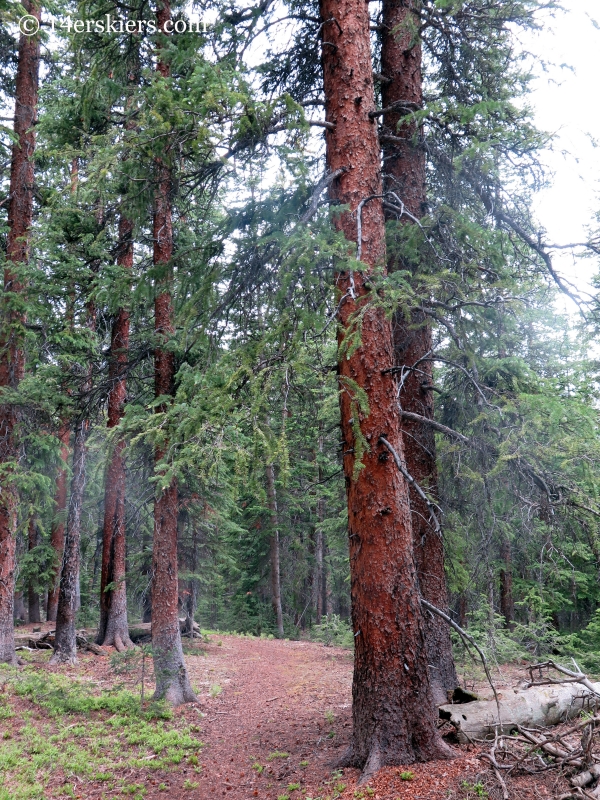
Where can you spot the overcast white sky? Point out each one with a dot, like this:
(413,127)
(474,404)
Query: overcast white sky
(567,101)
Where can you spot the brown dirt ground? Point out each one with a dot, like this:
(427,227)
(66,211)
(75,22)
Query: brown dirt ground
(294,698)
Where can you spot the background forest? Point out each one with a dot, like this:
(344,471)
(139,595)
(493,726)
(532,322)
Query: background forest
(249,431)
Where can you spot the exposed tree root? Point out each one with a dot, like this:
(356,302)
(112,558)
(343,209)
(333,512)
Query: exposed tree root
(372,766)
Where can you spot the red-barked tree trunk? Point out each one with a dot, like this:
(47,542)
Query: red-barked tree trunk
(172,682)
(404,170)
(393,713)
(12,356)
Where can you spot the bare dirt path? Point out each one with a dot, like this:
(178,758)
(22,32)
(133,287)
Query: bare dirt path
(273,718)
(284,708)
(282,721)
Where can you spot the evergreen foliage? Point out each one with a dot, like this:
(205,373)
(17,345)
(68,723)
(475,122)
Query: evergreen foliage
(516,383)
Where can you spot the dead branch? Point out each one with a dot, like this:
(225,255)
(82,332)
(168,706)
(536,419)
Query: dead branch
(467,638)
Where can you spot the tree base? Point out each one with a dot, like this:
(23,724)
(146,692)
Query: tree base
(172,681)
(63,657)
(377,758)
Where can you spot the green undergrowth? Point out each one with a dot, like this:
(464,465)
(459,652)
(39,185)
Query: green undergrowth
(78,732)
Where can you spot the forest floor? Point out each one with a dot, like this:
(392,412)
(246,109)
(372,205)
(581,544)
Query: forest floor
(271,721)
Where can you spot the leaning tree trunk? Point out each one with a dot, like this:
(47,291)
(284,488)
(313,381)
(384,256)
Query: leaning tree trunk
(274,547)
(65,646)
(172,682)
(12,357)
(393,712)
(114,628)
(404,166)
(57,533)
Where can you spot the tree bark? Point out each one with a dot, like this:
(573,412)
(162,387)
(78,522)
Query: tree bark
(393,713)
(20,612)
(507,607)
(404,167)
(69,595)
(12,356)
(114,628)
(172,682)
(274,549)
(57,534)
(318,577)
(33,597)
(65,646)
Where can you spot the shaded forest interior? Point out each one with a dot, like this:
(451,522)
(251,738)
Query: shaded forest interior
(280,351)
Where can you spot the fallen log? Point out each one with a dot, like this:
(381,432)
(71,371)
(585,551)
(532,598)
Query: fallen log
(537,706)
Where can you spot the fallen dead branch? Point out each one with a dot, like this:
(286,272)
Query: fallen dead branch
(572,750)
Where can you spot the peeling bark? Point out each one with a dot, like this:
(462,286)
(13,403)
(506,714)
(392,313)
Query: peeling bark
(12,356)
(393,712)
(172,682)
(404,167)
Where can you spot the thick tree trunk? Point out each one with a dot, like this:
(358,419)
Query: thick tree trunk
(114,628)
(507,607)
(33,597)
(274,548)
(404,167)
(393,711)
(65,647)
(12,357)
(172,682)
(57,534)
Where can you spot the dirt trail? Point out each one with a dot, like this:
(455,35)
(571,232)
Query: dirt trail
(285,707)
(274,718)
(277,698)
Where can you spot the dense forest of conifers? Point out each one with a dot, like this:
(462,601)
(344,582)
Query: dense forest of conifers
(269,280)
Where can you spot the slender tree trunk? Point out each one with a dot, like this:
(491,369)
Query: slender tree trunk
(32,595)
(318,578)
(65,646)
(172,682)
(12,357)
(20,612)
(57,534)
(404,166)
(114,628)
(274,546)
(327,583)
(507,607)
(69,596)
(393,712)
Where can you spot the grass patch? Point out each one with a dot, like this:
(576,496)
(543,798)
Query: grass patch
(77,731)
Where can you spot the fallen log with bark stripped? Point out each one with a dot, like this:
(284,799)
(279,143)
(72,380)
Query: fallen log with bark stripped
(536,706)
